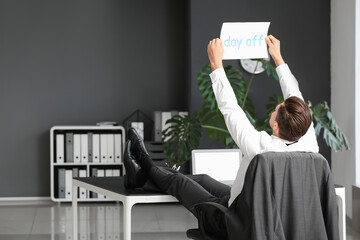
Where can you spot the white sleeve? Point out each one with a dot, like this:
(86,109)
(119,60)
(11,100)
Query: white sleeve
(248,139)
(290,87)
(288,83)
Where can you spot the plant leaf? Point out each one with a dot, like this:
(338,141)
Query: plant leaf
(182,136)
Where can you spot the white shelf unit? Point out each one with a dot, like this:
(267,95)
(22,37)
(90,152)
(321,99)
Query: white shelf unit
(105,163)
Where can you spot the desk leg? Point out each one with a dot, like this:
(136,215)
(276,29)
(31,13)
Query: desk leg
(342,213)
(75,212)
(127,205)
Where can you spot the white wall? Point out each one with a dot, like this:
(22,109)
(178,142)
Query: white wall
(343,89)
(357,90)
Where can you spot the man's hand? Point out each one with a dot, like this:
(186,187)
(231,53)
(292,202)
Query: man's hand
(215,53)
(274,50)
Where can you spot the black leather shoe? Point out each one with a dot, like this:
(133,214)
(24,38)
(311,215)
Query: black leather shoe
(137,144)
(135,176)
(139,151)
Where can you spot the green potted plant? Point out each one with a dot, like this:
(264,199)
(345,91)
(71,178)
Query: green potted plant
(185,132)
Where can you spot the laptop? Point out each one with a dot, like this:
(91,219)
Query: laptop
(220,164)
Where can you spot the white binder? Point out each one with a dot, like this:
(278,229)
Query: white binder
(164,117)
(101,173)
(68,223)
(109,223)
(82,191)
(77,148)
(139,127)
(60,150)
(117,145)
(116,172)
(116,222)
(68,183)
(84,148)
(96,148)
(108,172)
(83,227)
(110,148)
(100,223)
(103,148)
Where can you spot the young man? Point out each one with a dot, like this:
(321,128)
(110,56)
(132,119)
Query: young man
(291,121)
(292,131)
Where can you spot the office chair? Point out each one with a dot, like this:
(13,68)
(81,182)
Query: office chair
(285,196)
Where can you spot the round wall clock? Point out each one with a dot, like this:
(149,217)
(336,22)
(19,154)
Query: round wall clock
(249,66)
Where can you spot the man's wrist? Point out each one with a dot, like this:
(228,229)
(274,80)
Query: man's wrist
(279,61)
(215,66)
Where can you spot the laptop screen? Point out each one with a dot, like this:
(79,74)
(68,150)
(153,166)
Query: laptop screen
(220,164)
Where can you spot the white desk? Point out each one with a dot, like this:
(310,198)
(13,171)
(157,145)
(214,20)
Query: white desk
(113,188)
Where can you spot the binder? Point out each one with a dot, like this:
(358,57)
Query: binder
(83,217)
(68,223)
(183,114)
(139,127)
(84,148)
(108,172)
(164,117)
(101,223)
(93,174)
(157,126)
(101,173)
(103,148)
(60,148)
(116,172)
(69,148)
(82,191)
(96,148)
(68,183)
(61,182)
(174,113)
(110,148)
(77,148)
(116,222)
(117,145)
(90,146)
(75,173)
(109,223)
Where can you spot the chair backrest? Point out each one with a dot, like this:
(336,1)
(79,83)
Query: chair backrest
(220,164)
(286,196)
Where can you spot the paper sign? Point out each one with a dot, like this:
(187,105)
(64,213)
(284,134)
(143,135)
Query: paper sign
(244,40)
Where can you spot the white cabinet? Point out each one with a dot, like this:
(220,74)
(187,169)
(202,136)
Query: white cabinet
(84,151)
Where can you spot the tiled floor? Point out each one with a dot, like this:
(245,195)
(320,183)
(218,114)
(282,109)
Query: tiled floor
(96,222)
(99,222)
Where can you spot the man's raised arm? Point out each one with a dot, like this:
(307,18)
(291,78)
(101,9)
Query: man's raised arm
(288,83)
(244,134)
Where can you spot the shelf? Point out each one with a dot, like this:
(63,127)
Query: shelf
(83,142)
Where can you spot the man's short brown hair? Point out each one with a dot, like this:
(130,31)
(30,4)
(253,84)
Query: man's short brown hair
(294,119)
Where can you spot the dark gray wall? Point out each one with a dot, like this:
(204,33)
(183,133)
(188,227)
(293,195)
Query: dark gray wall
(303,28)
(78,62)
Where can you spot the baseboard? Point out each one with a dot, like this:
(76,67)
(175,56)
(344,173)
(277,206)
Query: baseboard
(11,201)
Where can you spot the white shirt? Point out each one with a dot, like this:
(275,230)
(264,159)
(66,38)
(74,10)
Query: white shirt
(250,141)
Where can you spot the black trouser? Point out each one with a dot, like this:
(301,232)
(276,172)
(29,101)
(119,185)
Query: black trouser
(190,189)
